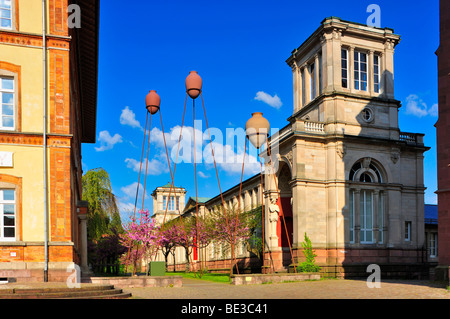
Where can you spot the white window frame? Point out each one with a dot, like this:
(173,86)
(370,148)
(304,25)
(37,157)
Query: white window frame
(11,15)
(376,75)
(408,227)
(433,245)
(346,67)
(358,72)
(2,215)
(363,216)
(352,217)
(171,201)
(8,91)
(380,217)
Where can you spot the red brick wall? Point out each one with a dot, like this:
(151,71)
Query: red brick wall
(35,253)
(443,133)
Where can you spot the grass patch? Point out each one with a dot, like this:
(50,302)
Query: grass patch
(224,278)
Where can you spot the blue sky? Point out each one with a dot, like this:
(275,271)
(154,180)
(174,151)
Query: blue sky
(239,48)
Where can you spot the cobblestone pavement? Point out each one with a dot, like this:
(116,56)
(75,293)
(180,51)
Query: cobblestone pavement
(322,289)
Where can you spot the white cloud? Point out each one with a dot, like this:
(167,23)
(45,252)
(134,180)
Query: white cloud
(129,118)
(230,161)
(154,166)
(130,190)
(417,107)
(157,138)
(273,101)
(434,110)
(126,210)
(202,175)
(107,141)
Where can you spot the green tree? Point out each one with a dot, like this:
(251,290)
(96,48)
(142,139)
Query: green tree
(103,214)
(255,242)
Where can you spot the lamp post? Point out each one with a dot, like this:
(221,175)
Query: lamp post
(257,130)
(194,84)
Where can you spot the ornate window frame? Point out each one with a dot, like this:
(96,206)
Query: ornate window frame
(14,17)
(13,182)
(14,71)
(373,185)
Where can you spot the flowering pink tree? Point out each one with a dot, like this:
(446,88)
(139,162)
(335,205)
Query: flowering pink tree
(139,238)
(168,239)
(230,227)
(189,232)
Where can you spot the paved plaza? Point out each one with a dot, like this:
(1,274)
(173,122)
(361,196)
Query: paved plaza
(322,289)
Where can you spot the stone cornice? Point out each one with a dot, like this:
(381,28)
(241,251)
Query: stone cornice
(34,40)
(35,139)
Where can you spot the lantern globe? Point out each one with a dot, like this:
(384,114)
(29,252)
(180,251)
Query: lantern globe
(152,102)
(194,84)
(257,129)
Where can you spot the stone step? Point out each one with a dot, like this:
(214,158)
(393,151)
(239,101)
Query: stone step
(84,292)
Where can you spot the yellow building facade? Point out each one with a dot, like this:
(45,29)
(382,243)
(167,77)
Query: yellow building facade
(48,76)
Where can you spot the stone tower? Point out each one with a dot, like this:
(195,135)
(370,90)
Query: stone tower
(347,176)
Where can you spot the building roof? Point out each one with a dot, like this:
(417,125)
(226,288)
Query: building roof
(190,204)
(86,40)
(200,200)
(175,189)
(349,27)
(431,214)
(168,185)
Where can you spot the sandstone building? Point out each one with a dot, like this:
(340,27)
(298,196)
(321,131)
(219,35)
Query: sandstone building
(356,180)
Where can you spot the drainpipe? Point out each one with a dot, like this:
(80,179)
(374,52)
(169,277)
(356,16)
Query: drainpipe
(44,53)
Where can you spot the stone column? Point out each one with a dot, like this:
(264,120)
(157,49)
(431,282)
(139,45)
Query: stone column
(307,84)
(295,82)
(316,75)
(83,249)
(351,68)
(388,69)
(247,200)
(300,87)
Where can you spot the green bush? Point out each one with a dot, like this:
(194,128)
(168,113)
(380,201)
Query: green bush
(307,267)
(310,264)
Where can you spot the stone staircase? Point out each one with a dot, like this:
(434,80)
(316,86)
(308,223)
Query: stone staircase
(84,292)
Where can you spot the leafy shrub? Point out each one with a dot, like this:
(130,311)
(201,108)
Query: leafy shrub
(310,264)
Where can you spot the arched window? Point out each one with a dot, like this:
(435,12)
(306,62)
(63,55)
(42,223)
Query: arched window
(366,171)
(366,202)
